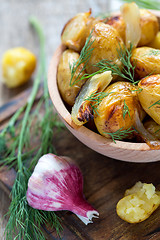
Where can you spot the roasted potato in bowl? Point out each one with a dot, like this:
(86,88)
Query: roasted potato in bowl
(152,127)
(67,91)
(150,96)
(146,61)
(74,32)
(148,24)
(91,137)
(117,110)
(106,41)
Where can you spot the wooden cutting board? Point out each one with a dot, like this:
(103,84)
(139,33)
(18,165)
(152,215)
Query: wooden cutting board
(105,181)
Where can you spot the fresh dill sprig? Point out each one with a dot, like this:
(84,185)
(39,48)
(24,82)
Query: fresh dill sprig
(24,221)
(84,57)
(127,72)
(138,90)
(3,146)
(28,221)
(156,103)
(103,15)
(96,98)
(121,133)
(126,110)
(157,131)
(124,55)
(150,4)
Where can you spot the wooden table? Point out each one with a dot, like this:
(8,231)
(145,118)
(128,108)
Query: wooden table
(105,179)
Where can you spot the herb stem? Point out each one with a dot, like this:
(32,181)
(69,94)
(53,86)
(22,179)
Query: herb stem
(150,4)
(32,97)
(24,219)
(12,121)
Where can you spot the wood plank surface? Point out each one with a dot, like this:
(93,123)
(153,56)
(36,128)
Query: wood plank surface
(105,179)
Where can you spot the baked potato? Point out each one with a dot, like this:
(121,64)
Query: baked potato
(146,61)
(77,29)
(101,48)
(153,128)
(138,203)
(117,110)
(156,42)
(67,91)
(149,27)
(148,24)
(118,23)
(149,97)
(106,42)
(82,110)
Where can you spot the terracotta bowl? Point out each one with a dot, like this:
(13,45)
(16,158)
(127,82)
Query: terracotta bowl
(126,151)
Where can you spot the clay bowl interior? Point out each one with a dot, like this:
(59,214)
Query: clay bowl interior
(126,151)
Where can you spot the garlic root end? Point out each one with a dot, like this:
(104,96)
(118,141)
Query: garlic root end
(90,215)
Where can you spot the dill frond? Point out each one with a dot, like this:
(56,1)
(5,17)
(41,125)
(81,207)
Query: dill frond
(84,57)
(156,103)
(150,4)
(138,90)
(157,131)
(121,133)
(24,221)
(127,72)
(96,98)
(3,147)
(126,110)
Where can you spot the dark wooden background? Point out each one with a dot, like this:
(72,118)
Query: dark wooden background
(105,179)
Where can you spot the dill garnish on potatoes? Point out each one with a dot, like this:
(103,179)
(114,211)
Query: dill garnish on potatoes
(121,45)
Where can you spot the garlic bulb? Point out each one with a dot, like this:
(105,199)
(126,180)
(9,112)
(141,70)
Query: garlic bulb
(57,184)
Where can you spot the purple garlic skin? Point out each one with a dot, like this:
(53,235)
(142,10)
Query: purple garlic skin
(57,184)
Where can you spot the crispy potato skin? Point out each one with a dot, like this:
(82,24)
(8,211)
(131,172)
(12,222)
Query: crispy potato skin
(153,128)
(68,92)
(77,29)
(118,23)
(110,117)
(156,42)
(82,111)
(147,61)
(149,27)
(148,23)
(138,203)
(106,42)
(150,95)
